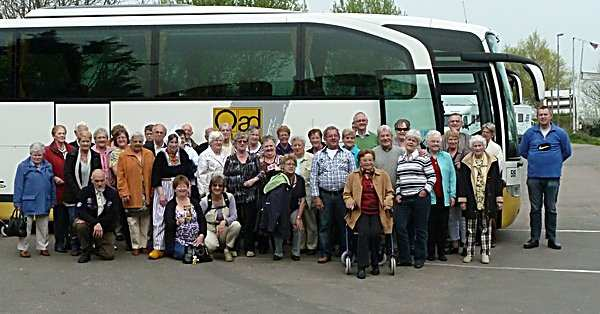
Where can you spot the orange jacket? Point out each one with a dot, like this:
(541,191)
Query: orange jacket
(130,175)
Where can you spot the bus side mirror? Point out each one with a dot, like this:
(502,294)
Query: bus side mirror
(537,77)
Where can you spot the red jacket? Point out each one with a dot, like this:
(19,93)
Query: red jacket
(57,160)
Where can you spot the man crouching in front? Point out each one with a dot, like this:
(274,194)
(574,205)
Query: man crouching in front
(97,213)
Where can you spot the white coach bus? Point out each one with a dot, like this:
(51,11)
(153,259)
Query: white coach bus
(209,65)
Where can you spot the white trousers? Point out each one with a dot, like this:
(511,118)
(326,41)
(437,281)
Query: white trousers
(41,233)
(228,237)
(138,229)
(158,213)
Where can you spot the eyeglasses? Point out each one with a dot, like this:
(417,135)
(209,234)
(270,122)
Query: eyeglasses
(181,190)
(217,185)
(402,129)
(242,141)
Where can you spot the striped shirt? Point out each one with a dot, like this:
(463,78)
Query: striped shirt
(328,173)
(413,174)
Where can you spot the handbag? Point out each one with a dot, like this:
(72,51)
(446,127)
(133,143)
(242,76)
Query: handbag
(196,255)
(17,224)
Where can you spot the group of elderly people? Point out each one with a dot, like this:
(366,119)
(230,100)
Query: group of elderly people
(163,193)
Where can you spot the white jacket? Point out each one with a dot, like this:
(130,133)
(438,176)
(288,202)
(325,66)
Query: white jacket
(209,163)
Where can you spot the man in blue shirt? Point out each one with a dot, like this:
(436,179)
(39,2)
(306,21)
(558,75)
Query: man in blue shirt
(330,169)
(545,146)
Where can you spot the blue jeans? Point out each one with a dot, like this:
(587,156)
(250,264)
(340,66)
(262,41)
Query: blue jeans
(543,191)
(332,215)
(415,208)
(178,251)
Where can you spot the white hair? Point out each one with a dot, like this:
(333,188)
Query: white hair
(431,134)
(138,134)
(36,147)
(414,134)
(100,131)
(298,139)
(490,126)
(81,125)
(214,135)
(383,128)
(477,139)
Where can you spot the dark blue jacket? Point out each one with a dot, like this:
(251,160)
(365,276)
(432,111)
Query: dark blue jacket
(34,190)
(545,156)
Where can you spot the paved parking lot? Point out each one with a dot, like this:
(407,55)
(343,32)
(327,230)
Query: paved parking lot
(517,281)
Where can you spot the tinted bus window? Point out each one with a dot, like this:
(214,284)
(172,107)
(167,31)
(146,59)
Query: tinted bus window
(85,62)
(343,63)
(6,64)
(227,61)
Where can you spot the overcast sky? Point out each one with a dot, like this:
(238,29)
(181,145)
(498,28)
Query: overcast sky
(513,20)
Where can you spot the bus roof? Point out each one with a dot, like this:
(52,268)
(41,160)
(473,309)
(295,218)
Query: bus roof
(144,10)
(381,19)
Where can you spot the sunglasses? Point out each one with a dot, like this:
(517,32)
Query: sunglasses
(402,129)
(242,141)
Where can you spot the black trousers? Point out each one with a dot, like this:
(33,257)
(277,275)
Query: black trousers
(369,229)
(438,229)
(247,218)
(62,227)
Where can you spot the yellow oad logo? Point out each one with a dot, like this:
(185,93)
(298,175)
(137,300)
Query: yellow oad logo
(240,118)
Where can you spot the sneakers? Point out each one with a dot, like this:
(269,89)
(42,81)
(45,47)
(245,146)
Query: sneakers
(228,256)
(250,254)
(156,254)
(485,259)
(467,259)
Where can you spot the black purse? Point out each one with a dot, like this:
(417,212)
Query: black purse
(17,224)
(196,255)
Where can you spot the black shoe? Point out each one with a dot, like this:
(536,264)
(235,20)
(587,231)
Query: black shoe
(295,257)
(361,274)
(375,270)
(554,245)
(84,258)
(531,244)
(276,257)
(419,265)
(405,264)
(310,252)
(431,258)
(60,249)
(443,258)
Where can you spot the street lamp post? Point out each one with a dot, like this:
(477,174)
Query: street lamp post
(558,72)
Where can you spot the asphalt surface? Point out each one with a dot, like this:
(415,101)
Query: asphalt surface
(517,281)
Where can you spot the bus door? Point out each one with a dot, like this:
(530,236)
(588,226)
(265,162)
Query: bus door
(95,115)
(467,91)
(411,95)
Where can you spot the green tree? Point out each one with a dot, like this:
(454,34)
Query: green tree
(294,5)
(10,9)
(538,49)
(366,6)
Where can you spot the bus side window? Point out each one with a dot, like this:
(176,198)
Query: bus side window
(342,62)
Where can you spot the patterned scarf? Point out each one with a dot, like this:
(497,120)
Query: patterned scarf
(480,172)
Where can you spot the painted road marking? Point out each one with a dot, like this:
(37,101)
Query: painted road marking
(554,270)
(558,231)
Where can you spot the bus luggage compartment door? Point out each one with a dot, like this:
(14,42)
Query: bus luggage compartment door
(95,115)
